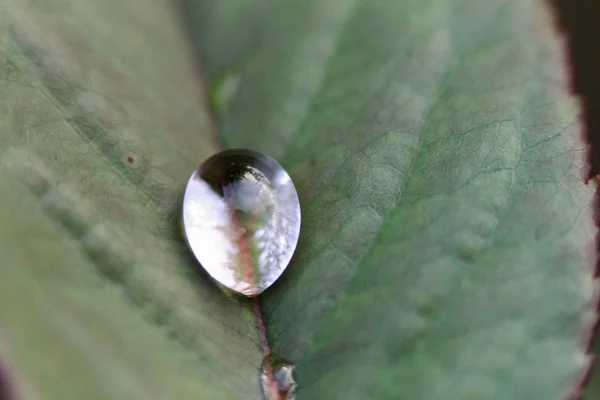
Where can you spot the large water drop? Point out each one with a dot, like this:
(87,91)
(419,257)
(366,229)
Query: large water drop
(241,216)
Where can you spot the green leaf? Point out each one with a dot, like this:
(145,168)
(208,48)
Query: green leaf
(447,242)
(447,248)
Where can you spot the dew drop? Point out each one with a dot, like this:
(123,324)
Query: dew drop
(282,384)
(241,217)
(222,92)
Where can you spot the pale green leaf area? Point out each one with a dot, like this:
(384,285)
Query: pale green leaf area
(447,244)
(102,123)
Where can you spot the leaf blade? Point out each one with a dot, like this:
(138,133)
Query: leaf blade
(424,112)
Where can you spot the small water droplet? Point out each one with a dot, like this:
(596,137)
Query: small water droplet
(283,383)
(241,217)
(223,89)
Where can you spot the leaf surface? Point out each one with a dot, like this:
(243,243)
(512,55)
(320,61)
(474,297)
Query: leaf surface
(447,240)
(447,243)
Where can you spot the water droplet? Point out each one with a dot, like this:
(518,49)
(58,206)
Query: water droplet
(223,89)
(282,384)
(241,216)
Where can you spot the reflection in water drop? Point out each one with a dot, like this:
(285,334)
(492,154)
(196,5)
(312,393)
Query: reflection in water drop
(282,385)
(241,216)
